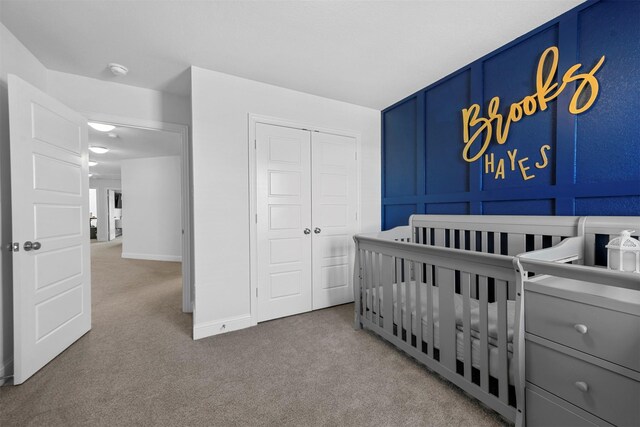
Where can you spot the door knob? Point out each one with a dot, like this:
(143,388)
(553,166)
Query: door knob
(31,245)
(317,230)
(307,231)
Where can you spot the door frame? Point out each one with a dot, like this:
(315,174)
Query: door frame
(253,120)
(186,196)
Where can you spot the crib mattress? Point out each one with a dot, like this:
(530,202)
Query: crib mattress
(492,324)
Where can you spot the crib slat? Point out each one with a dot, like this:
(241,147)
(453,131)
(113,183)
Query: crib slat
(484,334)
(367,288)
(357,283)
(375,269)
(445,278)
(503,371)
(463,239)
(387,292)
(516,244)
(485,241)
(496,243)
(452,238)
(472,247)
(429,289)
(555,240)
(397,298)
(466,323)
(439,237)
(418,332)
(370,281)
(407,300)
(537,242)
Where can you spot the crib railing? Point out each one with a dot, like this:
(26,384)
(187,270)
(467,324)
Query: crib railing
(385,267)
(498,234)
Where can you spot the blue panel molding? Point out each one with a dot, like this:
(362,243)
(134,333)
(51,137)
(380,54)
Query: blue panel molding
(594,157)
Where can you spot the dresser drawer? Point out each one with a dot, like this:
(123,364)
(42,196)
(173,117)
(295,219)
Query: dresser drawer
(609,334)
(608,395)
(543,412)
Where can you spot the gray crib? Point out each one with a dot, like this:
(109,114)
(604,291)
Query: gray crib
(447,290)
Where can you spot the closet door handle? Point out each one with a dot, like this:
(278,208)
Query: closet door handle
(317,230)
(307,231)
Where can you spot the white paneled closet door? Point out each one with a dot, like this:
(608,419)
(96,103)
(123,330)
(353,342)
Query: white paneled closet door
(283,175)
(334,209)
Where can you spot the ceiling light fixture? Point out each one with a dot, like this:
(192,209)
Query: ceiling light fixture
(101,127)
(92,163)
(98,150)
(117,69)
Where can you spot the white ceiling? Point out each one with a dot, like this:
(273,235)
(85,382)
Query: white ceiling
(370,53)
(131,143)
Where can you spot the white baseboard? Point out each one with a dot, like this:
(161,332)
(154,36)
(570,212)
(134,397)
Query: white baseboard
(207,329)
(5,370)
(152,257)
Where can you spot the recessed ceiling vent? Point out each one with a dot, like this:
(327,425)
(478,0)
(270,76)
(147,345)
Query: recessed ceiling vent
(118,70)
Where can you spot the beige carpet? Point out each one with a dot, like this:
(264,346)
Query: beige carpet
(139,366)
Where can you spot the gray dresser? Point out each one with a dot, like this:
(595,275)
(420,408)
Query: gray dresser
(582,353)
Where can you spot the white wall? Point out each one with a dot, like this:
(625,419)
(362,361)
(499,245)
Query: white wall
(14,59)
(220,107)
(93,98)
(151,208)
(102,201)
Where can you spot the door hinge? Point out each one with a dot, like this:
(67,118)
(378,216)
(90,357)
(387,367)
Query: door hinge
(255,144)
(256,218)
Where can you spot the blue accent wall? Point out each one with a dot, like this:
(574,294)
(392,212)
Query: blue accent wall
(594,160)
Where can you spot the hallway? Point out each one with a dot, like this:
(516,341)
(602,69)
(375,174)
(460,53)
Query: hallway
(138,332)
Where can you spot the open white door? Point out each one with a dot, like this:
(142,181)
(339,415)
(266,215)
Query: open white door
(50,217)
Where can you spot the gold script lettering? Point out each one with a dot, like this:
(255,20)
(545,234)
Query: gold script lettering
(545,160)
(546,91)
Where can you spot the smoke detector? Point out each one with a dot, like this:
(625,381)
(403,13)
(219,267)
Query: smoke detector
(117,69)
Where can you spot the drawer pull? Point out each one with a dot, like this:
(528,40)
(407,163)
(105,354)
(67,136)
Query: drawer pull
(582,386)
(581,328)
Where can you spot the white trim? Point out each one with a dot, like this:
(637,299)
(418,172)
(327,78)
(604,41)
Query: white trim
(187,196)
(253,250)
(152,257)
(6,370)
(207,329)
